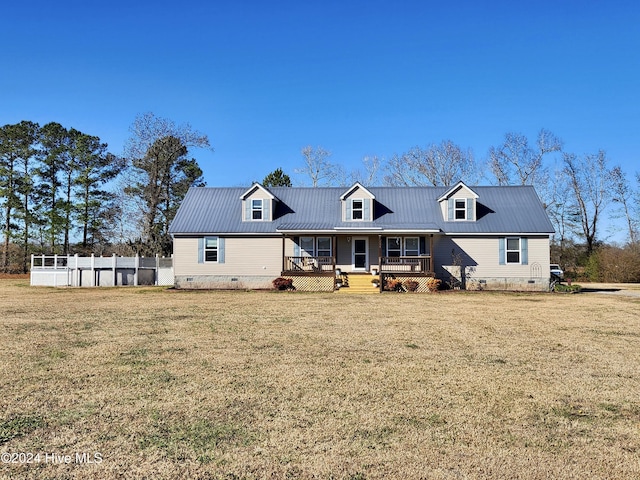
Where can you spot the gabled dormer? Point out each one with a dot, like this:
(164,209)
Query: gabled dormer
(458,204)
(258,204)
(357,204)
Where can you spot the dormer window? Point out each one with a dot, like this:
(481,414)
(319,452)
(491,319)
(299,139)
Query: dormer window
(357,209)
(357,204)
(258,204)
(459,204)
(256,209)
(460,208)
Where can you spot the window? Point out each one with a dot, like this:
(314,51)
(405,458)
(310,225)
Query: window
(211,249)
(460,209)
(306,246)
(394,247)
(513,250)
(256,209)
(357,210)
(412,246)
(324,246)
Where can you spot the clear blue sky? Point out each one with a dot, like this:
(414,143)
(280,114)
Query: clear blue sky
(264,78)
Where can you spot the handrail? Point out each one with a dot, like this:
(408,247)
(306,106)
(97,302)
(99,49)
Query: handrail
(309,264)
(406,263)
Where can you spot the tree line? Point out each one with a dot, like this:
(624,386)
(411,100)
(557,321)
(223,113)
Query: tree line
(63,192)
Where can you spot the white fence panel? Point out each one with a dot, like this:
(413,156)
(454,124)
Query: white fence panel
(76,271)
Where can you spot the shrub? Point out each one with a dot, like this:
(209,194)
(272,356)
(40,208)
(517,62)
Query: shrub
(562,288)
(433,284)
(411,285)
(393,285)
(283,284)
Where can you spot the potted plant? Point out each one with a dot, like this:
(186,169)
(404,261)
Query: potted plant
(375,282)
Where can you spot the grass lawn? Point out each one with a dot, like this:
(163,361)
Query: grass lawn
(152,383)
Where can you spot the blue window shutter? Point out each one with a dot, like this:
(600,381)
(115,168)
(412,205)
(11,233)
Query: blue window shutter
(423,246)
(524,251)
(347,215)
(366,206)
(450,209)
(220,250)
(266,209)
(501,251)
(296,246)
(470,202)
(384,246)
(201,250)
(247,209)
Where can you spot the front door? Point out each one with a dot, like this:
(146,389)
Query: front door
(360,249)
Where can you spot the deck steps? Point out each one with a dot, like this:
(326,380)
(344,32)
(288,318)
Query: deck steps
(359,284)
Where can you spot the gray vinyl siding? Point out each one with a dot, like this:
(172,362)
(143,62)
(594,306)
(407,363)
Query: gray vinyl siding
(243,256)
(480,255)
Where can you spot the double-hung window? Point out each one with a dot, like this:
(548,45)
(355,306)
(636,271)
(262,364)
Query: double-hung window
(256,209)
(513,250)
(412,246)
(211,249)
(460,208)
(357,209)
(307,246)
(324,246)
(394,247)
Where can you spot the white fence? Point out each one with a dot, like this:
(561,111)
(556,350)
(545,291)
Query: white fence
(76,271)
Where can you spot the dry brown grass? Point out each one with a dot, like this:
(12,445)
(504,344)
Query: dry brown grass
(287,385)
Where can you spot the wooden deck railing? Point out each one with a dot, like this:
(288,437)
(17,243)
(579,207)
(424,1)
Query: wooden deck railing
(309,264)
(418,264)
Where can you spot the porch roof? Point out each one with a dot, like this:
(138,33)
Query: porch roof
(363,227)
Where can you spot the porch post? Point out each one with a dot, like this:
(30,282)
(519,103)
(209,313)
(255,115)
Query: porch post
(334,252)
(381,277)
(283,251)
(431,254)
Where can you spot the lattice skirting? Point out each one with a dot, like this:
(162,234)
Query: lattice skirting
(312,283)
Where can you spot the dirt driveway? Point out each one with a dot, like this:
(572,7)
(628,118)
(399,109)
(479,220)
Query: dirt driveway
(623,289)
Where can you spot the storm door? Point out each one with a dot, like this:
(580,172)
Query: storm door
(360,251)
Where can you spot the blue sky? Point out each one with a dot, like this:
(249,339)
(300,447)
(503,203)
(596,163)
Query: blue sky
(360,78)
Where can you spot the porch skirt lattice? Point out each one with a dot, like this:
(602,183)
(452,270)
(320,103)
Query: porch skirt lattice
(311,283)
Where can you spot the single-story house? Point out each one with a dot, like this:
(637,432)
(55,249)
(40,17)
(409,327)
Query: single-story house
(483,237)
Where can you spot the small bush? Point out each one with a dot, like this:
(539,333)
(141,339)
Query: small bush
(283,284)
(562,288)
(411,285)
(433,284)
(393,285)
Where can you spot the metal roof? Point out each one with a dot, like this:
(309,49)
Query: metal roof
(512,209)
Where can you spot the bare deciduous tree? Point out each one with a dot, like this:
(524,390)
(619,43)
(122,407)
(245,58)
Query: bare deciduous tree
(436,165)
(590,180)
(562,212)
(515,162)
(367,175)
(623,196)
(317,167)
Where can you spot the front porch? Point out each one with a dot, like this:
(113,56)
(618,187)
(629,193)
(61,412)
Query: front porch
(342,256)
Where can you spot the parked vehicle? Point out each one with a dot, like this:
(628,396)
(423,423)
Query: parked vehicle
(556,270)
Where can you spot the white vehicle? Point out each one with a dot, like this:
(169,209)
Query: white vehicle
(556,270)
